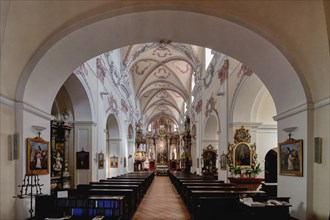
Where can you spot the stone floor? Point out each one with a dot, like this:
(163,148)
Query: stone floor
(161,202)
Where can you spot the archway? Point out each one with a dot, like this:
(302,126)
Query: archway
(113,147)
(49,68)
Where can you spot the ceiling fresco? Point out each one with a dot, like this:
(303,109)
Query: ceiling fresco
(162,74)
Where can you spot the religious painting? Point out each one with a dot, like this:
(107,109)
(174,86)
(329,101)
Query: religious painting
(291,157)
(101,160)
(82,160)
(243,155)
(114,162)
(37,156)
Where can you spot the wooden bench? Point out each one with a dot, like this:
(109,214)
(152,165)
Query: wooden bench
(128,193)
(194,200)
(106,186)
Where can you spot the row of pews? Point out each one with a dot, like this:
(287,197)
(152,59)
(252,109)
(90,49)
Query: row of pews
(113,198)
(215,199)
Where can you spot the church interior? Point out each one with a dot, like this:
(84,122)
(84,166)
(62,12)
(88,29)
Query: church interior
(125,106)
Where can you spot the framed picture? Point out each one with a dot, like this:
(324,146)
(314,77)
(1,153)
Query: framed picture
(291,157)
(242,155)
(38,156)
(114,162)
(82,160)
(101,160)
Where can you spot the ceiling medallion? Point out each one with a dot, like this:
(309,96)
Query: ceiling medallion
(140,67)
(161,73)
(162,94)
(162,108)
(161,85)
(162,51)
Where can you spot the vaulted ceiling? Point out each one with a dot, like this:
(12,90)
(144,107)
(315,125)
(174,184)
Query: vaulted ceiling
(162,74)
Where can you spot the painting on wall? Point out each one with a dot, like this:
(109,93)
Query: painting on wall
(114,162)
(101,160)
(291,157)
(243,155)
(82,160)
(37,156)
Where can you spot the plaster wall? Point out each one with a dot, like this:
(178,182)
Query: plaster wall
(321,192)
(8,186)
(299,189)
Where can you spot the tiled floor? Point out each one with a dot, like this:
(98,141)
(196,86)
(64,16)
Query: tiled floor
(161,202)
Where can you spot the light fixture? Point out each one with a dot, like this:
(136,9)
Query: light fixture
(289,130)
(38,129)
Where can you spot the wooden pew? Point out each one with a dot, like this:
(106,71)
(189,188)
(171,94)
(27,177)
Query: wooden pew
(121,186)
(139,181)
(188,195)
(128,193)
(184,185)
(194,200)
(108,182)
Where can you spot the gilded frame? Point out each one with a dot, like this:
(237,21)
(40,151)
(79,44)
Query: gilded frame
(113,162)
(38,154)
(291,157)
(249,158)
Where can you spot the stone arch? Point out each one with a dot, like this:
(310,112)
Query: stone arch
(48,69)
(113,143)
(211,128)
(50,65)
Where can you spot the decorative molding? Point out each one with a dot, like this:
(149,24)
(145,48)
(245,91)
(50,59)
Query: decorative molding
(161,51)
(199,106)
(210,106)
(223,71)
(100,70)
(84,123)
(209,76)
(246,124)
(293,111)
(140,69)
(34,110)
(113,106)
(244,71)
(7,101)
(178,67)
(322,103)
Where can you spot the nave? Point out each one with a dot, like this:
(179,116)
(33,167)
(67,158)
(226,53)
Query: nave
(161,202)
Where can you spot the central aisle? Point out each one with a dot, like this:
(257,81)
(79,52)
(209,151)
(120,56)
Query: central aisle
(161,202)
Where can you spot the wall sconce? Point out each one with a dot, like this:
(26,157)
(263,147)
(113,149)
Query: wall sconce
(38,129)
(289,130)
(223,161)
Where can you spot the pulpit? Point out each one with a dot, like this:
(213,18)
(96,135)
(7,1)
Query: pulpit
(252,184)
